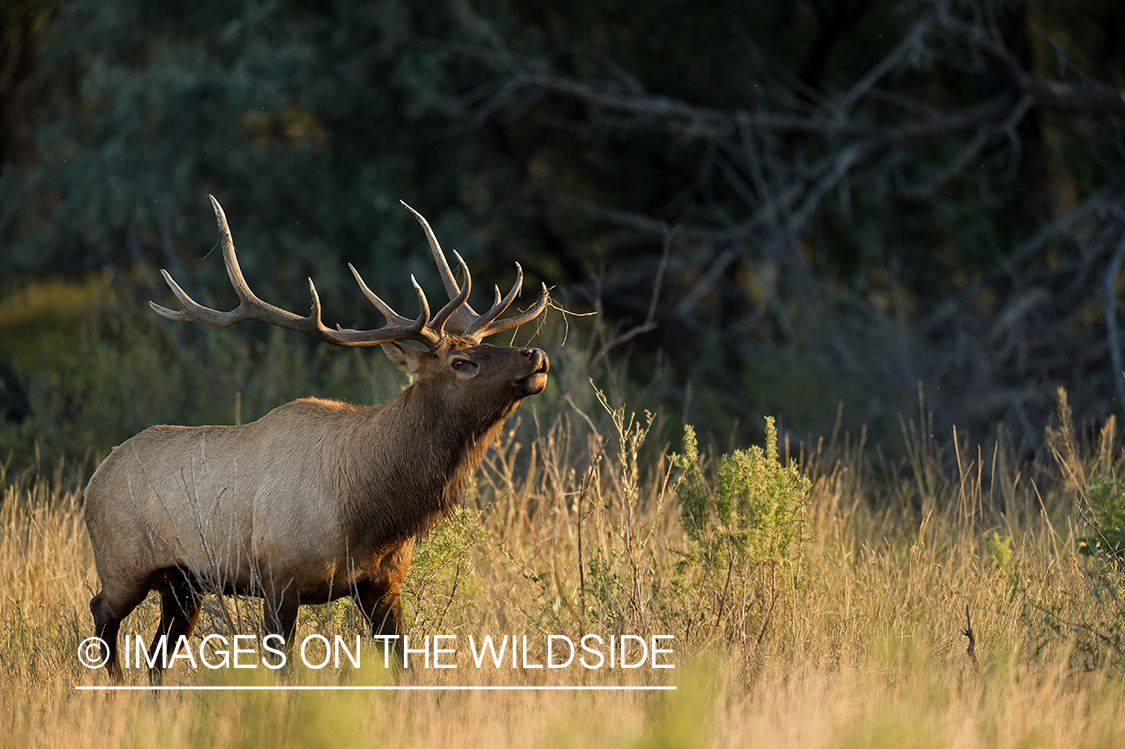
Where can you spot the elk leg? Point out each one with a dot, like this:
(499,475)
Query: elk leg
(379,597)
(108,615)
(279,615)
(382,607)
(180,603)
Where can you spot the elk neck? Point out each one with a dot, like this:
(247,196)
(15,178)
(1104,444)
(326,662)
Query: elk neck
(407,463)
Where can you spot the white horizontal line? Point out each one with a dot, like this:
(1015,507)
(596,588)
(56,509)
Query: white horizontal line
(455,688)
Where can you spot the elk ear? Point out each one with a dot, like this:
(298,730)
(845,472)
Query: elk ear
(406,358)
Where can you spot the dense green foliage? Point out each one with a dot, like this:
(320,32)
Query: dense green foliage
(746,532)
(1107,519)
(754,515)
(307,122)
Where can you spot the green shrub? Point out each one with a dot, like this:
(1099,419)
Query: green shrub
(1101,632)
(439,566)
(746,531)
(756,511)
(1106,503)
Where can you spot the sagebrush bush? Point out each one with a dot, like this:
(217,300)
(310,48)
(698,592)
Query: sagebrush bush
(439,565)
(1091,493)
(746,530)
(1105,499)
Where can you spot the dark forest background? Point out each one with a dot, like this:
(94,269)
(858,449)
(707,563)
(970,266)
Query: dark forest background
(846,213)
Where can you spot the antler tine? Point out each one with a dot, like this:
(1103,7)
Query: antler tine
(447,278)
(456,305)
(384,308)
(230,260)
(418,329)
(421,323)
(481,331)
(250,307)
(498,307)
(461,317)
(192,311)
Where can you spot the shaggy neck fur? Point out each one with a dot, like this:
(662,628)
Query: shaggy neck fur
(409,463)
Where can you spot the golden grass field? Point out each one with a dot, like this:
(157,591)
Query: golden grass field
(867,650)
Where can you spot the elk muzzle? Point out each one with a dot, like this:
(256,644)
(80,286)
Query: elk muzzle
(535,382)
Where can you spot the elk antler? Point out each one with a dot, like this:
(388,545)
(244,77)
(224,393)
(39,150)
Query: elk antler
(423,329)
(462,319)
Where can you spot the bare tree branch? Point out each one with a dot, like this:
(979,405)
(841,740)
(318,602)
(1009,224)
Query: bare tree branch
(763,193)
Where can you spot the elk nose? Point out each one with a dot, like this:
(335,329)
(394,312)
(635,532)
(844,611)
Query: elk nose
(538,359)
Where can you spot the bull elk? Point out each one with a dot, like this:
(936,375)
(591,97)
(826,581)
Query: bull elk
(317,499)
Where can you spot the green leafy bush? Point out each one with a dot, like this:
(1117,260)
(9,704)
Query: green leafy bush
(1106,502)
(755,512)
(746,529)
(440,564)
(1101,631)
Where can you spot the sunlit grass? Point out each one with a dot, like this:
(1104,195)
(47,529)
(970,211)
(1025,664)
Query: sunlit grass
(868,651)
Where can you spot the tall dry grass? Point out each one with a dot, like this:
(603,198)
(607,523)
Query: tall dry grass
(572,528)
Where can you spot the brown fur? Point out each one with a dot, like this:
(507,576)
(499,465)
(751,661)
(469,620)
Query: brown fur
(315,500)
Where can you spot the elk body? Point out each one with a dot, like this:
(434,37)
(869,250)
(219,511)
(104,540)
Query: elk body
(317,499)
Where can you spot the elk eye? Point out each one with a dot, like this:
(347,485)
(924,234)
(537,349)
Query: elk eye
(463,365)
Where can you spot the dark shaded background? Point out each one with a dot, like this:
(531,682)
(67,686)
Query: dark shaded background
(846,206)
